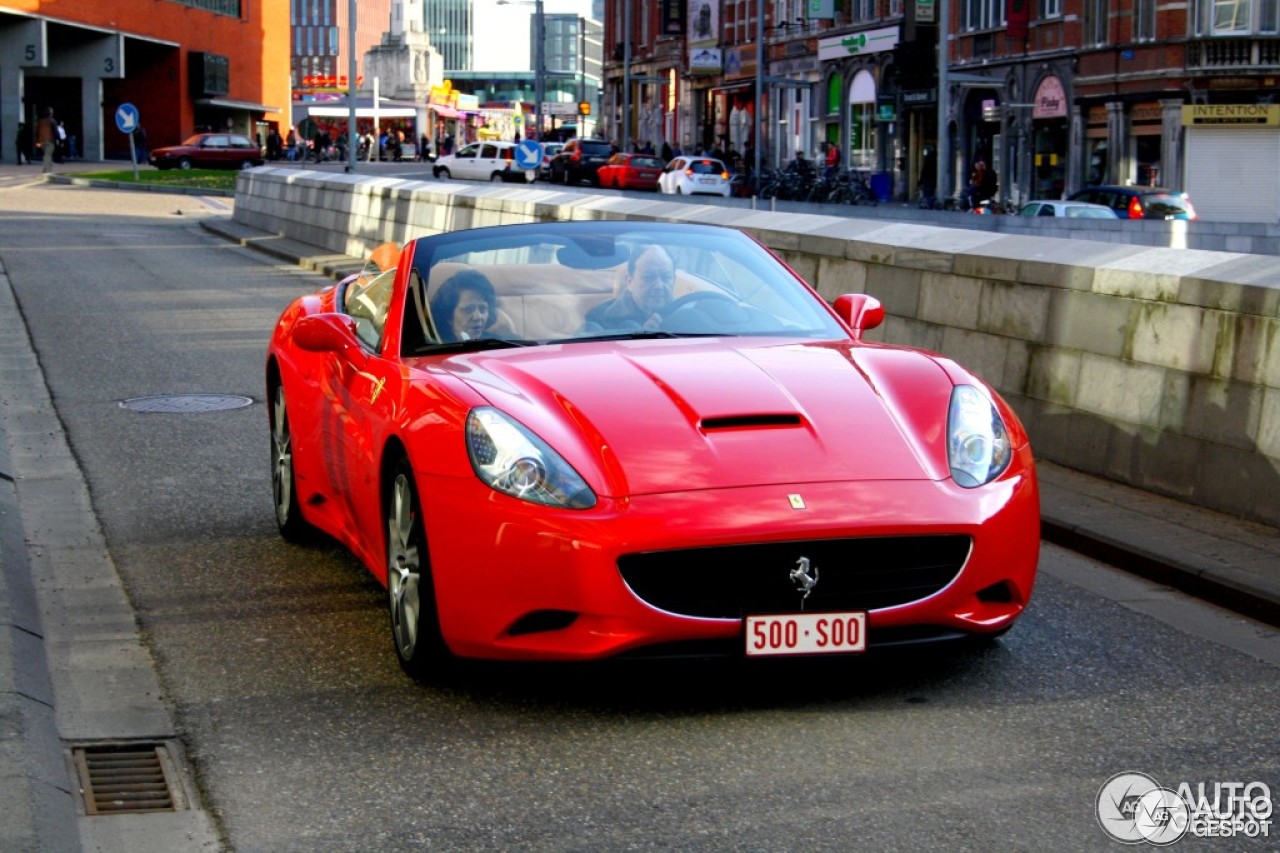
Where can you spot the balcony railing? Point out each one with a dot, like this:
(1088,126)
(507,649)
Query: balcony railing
(1259,53)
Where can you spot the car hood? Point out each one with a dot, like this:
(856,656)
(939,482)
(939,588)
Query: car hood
(649,417)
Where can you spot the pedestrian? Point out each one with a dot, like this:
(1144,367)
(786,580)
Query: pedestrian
(292,145)
(424,149)
(832,160)
(24,144)
(140,143)
(60,144)
(47,138)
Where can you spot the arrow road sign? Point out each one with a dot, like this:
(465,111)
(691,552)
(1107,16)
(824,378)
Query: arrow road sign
(127,118)
(529,154)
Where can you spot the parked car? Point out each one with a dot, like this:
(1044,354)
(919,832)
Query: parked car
(1139,202)
(209,151)
(549,150)
(579,161)
(509,471)
(695,176)
(629,171)
(488,160)
(1066,209)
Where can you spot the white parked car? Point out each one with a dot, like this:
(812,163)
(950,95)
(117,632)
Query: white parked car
(695,176)
(549,150)
(483,161)
(1066,209)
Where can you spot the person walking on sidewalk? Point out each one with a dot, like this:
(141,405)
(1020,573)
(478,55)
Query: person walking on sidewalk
(47,138)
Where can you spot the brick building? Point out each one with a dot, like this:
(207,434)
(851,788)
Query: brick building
(185,64)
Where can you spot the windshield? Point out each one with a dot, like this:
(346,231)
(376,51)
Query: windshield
(569,282)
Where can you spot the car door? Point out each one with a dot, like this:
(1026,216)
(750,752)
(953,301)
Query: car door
(464,162)
(671,176)
(214,151)
(242,150)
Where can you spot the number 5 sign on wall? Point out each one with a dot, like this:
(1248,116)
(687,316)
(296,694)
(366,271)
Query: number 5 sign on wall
(31,42)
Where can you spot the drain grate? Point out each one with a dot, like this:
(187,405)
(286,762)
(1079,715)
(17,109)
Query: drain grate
(182,404)
(133,778)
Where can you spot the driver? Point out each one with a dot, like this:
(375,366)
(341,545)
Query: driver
(647,288)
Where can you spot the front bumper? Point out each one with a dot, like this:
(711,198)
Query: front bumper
(519,581)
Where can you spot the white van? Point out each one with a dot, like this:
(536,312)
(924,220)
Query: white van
(483,161)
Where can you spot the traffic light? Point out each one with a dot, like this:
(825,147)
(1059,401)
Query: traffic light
(584,108)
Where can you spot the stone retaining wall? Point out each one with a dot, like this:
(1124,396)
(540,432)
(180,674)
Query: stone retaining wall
(1155,367)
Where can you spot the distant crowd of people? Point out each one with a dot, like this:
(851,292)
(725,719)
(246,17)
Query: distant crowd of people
(50,141)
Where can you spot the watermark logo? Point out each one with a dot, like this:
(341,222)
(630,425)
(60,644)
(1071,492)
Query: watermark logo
(1133,808)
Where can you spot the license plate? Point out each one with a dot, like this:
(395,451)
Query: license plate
(806,634)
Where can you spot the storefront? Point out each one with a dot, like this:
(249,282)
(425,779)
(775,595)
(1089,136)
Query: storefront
(1050,139)
(1230,146)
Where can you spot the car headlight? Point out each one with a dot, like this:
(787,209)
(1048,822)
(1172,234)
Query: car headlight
(977,442)
(510,458)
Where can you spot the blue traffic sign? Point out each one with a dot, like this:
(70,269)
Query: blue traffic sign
(529,154)
(127,118)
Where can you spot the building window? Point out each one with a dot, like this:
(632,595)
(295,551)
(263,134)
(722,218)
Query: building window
(863,10)
(1050,9)
(1237,17)
(1144,20)
(218,7)
(1097,21)
(982,14)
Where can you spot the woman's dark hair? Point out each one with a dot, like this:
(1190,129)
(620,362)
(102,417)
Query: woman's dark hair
(445,300)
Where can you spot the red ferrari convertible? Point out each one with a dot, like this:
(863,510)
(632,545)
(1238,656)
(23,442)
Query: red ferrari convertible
(579,440)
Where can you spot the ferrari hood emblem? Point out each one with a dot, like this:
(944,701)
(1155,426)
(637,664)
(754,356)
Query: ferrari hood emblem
(797,502)
(804,581)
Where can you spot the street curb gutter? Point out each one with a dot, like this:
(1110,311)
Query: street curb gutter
(35,787)
(1185,577)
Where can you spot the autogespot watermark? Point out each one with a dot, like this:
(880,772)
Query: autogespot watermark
(1134,809)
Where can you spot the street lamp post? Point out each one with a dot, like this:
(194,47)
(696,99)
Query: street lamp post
(352,130)
(539,58)
(539,63)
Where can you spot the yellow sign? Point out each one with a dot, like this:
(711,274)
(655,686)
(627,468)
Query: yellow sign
(584,108)
(1256,115)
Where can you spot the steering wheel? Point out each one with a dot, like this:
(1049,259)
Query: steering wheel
(694,298)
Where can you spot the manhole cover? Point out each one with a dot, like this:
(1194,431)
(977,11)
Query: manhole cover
(186,403)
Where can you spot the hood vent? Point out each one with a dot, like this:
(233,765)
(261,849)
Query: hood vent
(749,422)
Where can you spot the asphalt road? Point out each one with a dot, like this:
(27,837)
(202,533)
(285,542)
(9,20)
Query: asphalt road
(304,735)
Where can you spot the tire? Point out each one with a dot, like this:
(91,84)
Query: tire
(247,164)
(411,600)
(495,178)
(284,481)
(443,172)
(184,163)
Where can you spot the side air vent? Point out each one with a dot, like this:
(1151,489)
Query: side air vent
(749,422)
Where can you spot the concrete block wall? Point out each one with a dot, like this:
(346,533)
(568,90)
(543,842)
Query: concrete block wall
(1156,367)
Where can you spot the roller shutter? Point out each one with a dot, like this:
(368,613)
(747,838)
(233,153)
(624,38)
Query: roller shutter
(1233,175)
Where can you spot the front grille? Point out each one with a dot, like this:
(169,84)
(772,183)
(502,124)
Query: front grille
(852,574)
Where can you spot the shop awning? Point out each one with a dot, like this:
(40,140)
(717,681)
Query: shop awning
(228,104)
(735,86)
(443,111)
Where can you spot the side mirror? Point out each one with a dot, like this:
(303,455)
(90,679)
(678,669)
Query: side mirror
(860,311)
(326,333)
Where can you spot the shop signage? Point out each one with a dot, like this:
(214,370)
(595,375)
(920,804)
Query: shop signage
(704,21)
(1051,100)
(858,44)
(925,12)
(820,9)
(1257,115)
(916,97)
(705,60)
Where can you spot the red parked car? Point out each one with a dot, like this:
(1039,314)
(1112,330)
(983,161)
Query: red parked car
(533,473)
(628,171)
